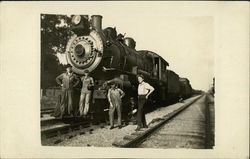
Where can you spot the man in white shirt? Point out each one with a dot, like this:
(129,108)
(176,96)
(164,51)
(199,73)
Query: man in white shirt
(144,90)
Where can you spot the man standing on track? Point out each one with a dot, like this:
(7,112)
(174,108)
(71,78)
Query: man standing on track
(144,90)
(87,85)
(115,96)
(67,81)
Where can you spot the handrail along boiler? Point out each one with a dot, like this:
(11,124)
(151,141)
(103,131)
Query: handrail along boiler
(109,56)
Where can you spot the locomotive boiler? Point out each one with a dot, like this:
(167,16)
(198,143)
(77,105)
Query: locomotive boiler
(109,56)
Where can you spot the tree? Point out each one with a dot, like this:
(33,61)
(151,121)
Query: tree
(54,36)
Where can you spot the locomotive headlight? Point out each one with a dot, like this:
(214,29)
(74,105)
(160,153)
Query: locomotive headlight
(76,19)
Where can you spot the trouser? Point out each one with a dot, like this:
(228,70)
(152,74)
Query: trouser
(141,120)
(84,103)
(118,108)
(66,102)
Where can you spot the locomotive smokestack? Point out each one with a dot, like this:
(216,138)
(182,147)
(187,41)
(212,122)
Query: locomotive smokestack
(96,21)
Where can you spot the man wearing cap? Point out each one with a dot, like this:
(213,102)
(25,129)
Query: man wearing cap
(87,85)
(115,96)
(144,90)
(67,81)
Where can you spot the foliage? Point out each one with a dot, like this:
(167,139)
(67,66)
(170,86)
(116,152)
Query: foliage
(54,36)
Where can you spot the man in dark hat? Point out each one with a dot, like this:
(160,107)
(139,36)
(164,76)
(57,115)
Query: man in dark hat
(87,85)
(67,81)
(115,96)
(144,90)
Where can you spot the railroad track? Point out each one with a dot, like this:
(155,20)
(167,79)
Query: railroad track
(138,137)
(60,132)
(53,127)
(63,128)
(55,131)
(46,112)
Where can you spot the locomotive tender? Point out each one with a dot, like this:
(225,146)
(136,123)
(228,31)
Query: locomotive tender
(112,57)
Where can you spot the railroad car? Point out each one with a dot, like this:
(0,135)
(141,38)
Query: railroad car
(109,56)
(186,89)
(174,86)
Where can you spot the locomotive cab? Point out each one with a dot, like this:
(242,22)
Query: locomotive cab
(160,67)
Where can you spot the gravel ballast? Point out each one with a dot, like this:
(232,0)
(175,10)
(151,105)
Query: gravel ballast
(104,137)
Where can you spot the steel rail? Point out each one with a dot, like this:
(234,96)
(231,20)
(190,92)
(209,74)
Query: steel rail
(136,138)
(54,131)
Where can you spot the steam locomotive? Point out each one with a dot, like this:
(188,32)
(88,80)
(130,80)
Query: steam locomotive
(109,56)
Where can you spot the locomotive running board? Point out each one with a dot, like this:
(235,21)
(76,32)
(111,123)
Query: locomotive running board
(117,70)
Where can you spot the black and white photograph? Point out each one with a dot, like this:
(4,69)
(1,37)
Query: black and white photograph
(122,79)
(135,88)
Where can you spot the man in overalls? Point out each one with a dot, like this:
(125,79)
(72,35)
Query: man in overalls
(87,85)
(67,81)
(115,96)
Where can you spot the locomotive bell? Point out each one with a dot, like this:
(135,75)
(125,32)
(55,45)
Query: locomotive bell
(110,32)
(130,42)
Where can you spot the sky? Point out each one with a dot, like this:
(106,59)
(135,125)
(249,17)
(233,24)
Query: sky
(186,42)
